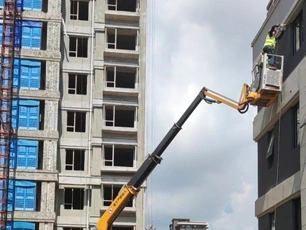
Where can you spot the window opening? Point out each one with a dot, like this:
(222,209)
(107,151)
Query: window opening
(75,160)
(79,10)
(110,192)
(270,150)
(78,46)
(121,39)
(76,121)
(74,198)
(298,36)
(120,156)
(122,5)
(120,77)
(272,221)
(297,214)
(77,84)
(120,117)
(296,125)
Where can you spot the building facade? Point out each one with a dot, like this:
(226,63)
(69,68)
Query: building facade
(102,109)
(89,66)
(280,129)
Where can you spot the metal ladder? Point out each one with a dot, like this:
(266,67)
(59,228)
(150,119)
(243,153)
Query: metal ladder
(6,98)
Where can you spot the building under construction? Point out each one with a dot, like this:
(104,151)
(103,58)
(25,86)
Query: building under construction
(72,111)
(280,129)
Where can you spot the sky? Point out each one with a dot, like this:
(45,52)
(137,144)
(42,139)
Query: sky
(209,171)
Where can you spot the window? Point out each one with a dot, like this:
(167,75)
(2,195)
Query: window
(78,46)
(120,116)
(121,39)
(121,77)
(122,5)
(297,214)
(272,221)
(298,37)
(296,125)
(122,156)
(74,198)
(75,160)
(79,10)
(76,122)
(77,84)
(110,192)
(271,149)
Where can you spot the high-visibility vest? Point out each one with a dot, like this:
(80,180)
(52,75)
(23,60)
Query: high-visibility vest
(270,41)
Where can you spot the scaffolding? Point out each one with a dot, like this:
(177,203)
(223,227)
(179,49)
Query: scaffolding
(6,97)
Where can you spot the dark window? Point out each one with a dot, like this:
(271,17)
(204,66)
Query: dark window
(297,214)
(296,126)
(272,221)
(120,77)
(122,5)
(74,198)
(76,121)
(75,160)
(79,10)
(119,156)
(298,37)
(119,117)
(271,149)
(78,47)
(77,84)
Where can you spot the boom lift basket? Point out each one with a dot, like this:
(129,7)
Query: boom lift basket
(267,79)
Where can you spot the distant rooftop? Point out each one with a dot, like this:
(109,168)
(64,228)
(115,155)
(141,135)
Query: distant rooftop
(184,224)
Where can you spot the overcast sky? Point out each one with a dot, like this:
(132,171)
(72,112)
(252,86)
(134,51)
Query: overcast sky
(209,172)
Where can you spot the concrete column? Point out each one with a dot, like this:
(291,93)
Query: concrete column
(53,36)
(50,155)
(140,220)
(52,75)
(97,198)
(99,84)
(47,202)
(96,162)
(51,115)
(54,7)
(46,226)
(97,120)
(99,11)
(100,45)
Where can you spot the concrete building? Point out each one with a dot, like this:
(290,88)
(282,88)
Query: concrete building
(102,109)
(186,224)
(92,111)
(280,129)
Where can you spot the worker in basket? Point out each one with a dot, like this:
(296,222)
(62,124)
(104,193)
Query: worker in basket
(270,44)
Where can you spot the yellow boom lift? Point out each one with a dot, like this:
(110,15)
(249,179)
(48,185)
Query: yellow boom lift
(264,90)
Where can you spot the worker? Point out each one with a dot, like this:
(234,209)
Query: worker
(270,43)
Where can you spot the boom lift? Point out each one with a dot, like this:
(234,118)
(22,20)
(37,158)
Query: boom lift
(264,90)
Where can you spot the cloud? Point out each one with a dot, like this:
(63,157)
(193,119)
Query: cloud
(241,202)
(212,164)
